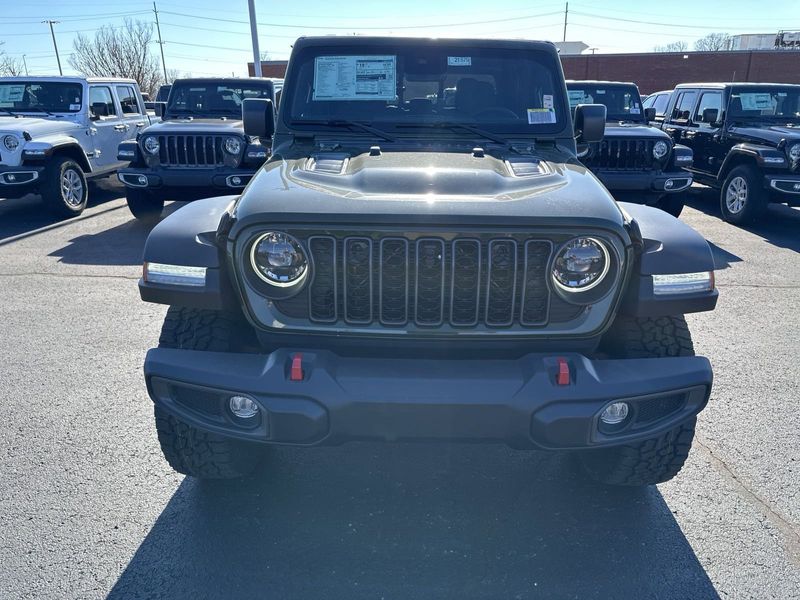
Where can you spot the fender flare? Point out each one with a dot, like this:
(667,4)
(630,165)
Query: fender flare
(754,152)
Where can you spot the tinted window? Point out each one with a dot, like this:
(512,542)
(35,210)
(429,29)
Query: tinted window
(683,106)
(622,102)
(35,96)
(660,103)
(217,99)
(506,89)
(708,100)
(781,104)
(102,95)
(648,102)
(127,100)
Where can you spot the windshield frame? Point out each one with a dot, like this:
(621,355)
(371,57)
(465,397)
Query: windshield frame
(633,118)
(44,109)
(309,49)
(764,89)
(207,113)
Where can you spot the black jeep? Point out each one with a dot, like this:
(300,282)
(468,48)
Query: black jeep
(413,263)
(746,142)
(198,148)
(635,161)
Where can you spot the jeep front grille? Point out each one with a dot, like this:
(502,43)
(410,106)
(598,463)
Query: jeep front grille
(429,282)
(191,150)
(622,155)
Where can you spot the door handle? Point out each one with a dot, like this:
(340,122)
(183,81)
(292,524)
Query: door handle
(690,135)
(140,124)
(121,127)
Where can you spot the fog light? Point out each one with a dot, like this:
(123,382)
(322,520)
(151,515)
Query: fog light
(236,180)
(11,177)
(615,413)
(243,407)
(669,184)
(142,180)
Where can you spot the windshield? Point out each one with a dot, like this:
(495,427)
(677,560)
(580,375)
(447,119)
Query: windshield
(781,104)
(501,90)
(41,96)
(214,99)
(622,102)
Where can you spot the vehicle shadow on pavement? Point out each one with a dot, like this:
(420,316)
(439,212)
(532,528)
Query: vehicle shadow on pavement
(414,521)
(779,226)
(117,246)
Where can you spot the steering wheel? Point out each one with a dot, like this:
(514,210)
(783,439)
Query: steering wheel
(497,110)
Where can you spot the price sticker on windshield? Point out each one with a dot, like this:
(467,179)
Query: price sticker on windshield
(757,101)
(541,116)
(459,61)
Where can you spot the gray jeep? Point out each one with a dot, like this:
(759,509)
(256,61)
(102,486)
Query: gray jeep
(418,264)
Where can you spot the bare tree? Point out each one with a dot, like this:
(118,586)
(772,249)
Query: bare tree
(10,67)
(677,46)
(713,42)
(265,55)
(119,52)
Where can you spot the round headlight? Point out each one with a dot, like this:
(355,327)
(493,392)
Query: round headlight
(581,264)
(660,149)
(794,152)
(151,144)
(233,145)
(11,143)
(279,259)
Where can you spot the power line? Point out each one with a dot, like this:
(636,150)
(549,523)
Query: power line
(638,22)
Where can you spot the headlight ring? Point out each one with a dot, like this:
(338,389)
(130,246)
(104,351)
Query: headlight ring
(11,142)
(660,149)
(232,145)
(151,145)
(581,265)
(279,260)
(794,151)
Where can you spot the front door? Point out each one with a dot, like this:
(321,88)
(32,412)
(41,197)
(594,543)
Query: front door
(708,151)
(108,129)
(133,113)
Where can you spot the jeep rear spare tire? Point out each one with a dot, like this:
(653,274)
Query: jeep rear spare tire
(64,188)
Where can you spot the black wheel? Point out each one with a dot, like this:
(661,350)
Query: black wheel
(671,203)
(64,188)
(187,449)
(657,459)
(743,198)
(144,205)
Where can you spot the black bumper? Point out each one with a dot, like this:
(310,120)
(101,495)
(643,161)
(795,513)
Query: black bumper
(787,186)
(654,183)
(18,181)
(340,399)
(228,179)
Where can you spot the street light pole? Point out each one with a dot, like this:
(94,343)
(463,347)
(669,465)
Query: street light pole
(25,63)
(55,46)
(254,34)
(160,44)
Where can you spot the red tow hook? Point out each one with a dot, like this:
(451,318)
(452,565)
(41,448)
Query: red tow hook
(563,376)
(296,372)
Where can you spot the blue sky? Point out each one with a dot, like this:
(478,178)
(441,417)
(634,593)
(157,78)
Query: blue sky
(208,37)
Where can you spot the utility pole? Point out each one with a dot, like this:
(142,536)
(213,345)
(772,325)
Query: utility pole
(160,43)
(52,33)
(24,62)
(254,34)
(566,12)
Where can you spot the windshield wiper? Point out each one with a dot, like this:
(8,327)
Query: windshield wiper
(5,110)
(345,123)
(38,109)
(454,125)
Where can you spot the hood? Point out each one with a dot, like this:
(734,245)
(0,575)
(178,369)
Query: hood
(427,188)
(36,126)
(616,129)
(197,125)
(769,134)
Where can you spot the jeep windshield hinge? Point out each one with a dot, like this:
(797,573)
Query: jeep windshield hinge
(526,148)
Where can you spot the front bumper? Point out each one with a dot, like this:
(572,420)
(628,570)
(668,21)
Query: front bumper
(19,180)
(788,185)
(643,181)
(191,178)
(340,399)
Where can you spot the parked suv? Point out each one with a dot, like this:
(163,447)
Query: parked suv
(59,132)
(658,101)
(198,147)
(409,265)
(746,142)
(635,161)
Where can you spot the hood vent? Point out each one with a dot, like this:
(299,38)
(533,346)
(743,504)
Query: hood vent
(527,167)
(332,164)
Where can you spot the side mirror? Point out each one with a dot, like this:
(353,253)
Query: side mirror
(99,109)
(160,108)
(710,115)
(649,114)
(590,123)
(258,116)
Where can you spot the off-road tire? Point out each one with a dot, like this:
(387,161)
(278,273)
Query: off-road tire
(144,205)
(755,204)
(61,175)
(657,459)
(671,204)
(187,449)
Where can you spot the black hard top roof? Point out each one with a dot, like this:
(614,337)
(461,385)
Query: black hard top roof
(720,85)
(364,40)
(600,82)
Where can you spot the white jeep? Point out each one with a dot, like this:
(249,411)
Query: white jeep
(58,132)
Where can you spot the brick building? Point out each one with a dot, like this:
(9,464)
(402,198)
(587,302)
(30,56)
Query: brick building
(656,71)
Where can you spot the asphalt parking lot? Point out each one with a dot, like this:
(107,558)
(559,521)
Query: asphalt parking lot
(89,509)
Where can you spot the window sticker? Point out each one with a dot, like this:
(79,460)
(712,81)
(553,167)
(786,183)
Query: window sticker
(355,78)
(757,101)
(11,93)
(541,116)
(635,110)
(74,106)
(547,101)
(459,61)
(579,97)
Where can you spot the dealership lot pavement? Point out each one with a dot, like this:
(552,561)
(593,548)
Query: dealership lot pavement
(89,509)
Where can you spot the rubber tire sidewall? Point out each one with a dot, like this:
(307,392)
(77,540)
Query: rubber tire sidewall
(671,204)
(756,202)
(51,188)
(144,205)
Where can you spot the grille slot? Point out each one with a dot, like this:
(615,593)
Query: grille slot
(322,291)
(501,285)
(429,278)
(191,150)
(466,281)
(622,155)
(535,293)
(394,281)
(358,280)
